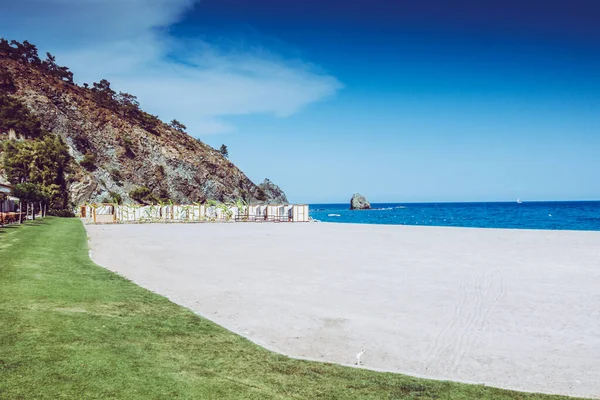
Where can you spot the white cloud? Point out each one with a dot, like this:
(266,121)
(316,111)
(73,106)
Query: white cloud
(194,81)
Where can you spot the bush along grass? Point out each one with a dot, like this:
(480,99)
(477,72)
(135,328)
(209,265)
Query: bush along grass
(73,330)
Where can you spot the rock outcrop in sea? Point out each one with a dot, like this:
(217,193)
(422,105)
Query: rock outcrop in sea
(359,202)
(273,192)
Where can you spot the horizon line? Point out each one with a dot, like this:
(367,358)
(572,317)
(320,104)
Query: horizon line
(466,202)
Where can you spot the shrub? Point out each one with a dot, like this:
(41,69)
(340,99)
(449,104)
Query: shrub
(142,194)
(163,195)
(159,171)
(114,197)
(261,195)
(82,143)
(128,146)
(116,176)
(7,83)
(89,162)
(149,122)
(64,213)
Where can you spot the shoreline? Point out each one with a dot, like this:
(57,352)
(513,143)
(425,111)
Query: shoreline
(456,227)
(509,308)
(574,216)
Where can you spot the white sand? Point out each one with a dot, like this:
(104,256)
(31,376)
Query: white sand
(509,308)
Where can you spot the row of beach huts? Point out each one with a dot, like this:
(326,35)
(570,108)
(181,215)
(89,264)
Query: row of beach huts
(130,213)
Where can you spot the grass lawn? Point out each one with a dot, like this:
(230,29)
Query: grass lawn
(70,329)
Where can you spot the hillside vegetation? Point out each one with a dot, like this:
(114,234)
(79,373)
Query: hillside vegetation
(114,147)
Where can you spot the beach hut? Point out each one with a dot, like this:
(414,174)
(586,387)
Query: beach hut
(241,213)
(300,213)
(284,213)
(182,213)
(131,212)
(210,213)
(220,214)
(104,214)
(235,213)
(86,212)
(256,212)
(261,213)
(250,212)
(122,214)
(273,212)
(200,212)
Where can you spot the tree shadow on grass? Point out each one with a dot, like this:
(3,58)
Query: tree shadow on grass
(6,228)
(35,223)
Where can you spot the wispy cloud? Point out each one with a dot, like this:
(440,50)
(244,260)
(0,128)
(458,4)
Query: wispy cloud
(195,81)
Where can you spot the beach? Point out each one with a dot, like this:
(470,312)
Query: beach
(516,309)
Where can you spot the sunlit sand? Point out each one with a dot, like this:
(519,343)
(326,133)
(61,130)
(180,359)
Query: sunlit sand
(509,308)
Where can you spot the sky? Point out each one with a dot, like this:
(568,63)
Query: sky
(402,101)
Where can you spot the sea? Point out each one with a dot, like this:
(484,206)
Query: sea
(555,215)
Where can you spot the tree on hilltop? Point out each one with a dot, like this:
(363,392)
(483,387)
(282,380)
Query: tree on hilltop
(103,87)
(178,126)
(224,152)
(50,63)
(104,95)
(27,53)
(128,103)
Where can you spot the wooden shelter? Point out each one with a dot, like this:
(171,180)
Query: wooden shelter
(113,213)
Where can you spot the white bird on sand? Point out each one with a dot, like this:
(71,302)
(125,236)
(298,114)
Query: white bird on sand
(358,356)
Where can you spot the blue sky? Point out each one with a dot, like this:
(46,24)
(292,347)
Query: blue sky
(426,100)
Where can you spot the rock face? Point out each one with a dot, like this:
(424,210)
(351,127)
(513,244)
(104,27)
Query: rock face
(359,202)
(129,152)
(273,192)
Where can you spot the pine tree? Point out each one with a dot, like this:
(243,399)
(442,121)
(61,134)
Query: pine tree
(224,152)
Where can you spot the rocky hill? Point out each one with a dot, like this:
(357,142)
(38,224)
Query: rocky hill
(273,192)
(117,148)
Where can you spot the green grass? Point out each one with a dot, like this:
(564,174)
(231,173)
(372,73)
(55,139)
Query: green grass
(72,330)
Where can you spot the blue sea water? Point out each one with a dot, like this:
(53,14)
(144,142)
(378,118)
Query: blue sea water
(574,215)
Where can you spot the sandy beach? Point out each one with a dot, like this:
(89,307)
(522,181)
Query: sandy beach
(516,309)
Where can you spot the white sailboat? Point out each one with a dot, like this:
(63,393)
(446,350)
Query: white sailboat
(519,201)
